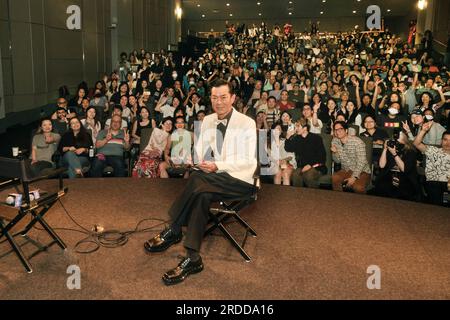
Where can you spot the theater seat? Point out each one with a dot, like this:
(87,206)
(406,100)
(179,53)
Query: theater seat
(325,181)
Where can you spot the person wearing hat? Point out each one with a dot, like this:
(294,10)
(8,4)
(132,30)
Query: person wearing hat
(418,119)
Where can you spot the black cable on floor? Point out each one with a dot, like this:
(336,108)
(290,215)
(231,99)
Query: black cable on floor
(106,239)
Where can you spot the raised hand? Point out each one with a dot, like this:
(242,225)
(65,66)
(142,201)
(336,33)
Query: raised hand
(316,107)
(126,136)
(109,135)
(334,148)
(406,126)
(427,126)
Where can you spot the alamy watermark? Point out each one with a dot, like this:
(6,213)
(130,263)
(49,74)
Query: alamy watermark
(74,20)
(374,20)
(74,280)
(374,280)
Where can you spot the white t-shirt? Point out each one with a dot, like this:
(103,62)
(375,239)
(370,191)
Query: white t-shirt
(167,111)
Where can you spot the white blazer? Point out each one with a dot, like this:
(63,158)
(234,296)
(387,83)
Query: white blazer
(238,154)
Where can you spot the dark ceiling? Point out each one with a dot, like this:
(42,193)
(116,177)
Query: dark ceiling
(275,9)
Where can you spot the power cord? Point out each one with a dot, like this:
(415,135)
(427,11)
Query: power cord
(97,238)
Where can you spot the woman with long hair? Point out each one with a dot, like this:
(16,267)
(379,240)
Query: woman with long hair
(398,176)
(151,157)
(74,148)
(78,99)
(285,162)
(91,123)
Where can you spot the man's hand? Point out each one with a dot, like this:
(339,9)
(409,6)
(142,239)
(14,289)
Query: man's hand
(126,136)
(208,167)
(350,181)
(306,168)
(80,151)
(109,135)
(334,149)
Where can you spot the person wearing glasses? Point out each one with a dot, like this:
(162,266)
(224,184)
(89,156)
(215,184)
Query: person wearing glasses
(62,103)
(378,135)
(350,152)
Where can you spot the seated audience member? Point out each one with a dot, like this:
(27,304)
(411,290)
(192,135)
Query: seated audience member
(273,113)
(167,110)
(91,124)
(74,148)
(61,123)
(350,152)
(286,122)
(393,119)
(61,103)
(261,121)
(418,118)
(398,176)
(311,116)
(437,169)
(44,145)
(178,153)
(134,108)
(148,164)
(126,111)
(81,112)
(378,136)
(143,122)
(310,155)
(117,111)
(353,116)
(101,105)
(261,104)
(193,106)
(111,145)
(77,101)
(284,104)
(284,162)
(297,96)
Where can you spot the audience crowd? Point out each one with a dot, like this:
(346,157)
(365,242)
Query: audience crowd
(362,112)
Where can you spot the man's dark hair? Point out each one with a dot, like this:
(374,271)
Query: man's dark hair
(304,123)
(342,123)
(271,98)
(220,83)
(119,107)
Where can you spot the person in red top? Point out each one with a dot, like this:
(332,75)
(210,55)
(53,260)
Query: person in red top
(284,103)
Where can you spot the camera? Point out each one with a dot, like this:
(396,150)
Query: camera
(392,143)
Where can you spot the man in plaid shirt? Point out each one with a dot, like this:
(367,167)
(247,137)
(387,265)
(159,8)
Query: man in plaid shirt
(350,152)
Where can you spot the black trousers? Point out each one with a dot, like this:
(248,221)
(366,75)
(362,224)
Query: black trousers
(192,207)
(435,191)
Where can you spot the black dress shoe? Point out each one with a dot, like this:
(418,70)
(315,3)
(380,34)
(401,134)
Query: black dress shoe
(184,269)
(163,241)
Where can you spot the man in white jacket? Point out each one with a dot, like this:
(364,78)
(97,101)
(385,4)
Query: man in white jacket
(226,152)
